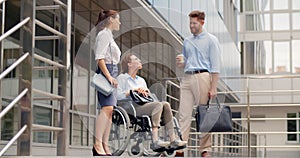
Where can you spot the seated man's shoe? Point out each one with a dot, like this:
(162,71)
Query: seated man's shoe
(158,145)
(162,143)
(179,154)
(178,143)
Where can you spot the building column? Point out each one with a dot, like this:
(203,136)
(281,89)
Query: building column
(27,33)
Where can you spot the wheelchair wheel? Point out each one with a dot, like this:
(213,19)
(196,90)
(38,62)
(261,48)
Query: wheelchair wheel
(119,134)
(136,149)
(169,153)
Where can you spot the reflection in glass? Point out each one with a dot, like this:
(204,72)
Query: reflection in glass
(296,23)
(296,55)
(292,127)
(249,22)
(266,22)
(249,4)
(281,21)
(265,5)
(282,56)
(79,130)
(91,131)
(42,116)
(268,50)
(7,123)
(295,4)
(162,7)
(280,4)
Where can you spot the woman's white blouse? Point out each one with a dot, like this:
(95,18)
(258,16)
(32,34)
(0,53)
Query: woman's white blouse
(106,47)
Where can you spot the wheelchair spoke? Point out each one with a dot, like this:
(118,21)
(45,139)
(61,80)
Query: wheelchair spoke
(119,134)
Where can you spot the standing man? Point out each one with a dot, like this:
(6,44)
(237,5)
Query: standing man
(201,62)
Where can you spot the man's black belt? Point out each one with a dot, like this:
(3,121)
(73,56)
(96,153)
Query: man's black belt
(196,71)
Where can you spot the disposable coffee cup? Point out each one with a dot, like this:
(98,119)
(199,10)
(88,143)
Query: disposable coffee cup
(181,58)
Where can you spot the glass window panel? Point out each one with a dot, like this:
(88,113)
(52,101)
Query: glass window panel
(162,7)
(296,4)
(76,130)
(281,21)
(296,22)
(7,123)
(186,7)
(249,23)
(291,115)
(282,56)
(176,17)
(265,5)
(79,130)
(220,8)
(42,116)
(268,50)
(296,55)
(292,127)
(92,131)
(195,4)
(266,22)
(280,4)
(248,4)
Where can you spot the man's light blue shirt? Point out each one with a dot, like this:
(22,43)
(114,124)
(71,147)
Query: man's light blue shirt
(126,83)
(202,52)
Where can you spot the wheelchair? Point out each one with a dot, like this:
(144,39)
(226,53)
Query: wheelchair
(133,133)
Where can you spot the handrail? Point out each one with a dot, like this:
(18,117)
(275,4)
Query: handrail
(15,64)
(261,76)
(50,95)
(48,61)
(172,83)
(60,3)
(15,28)
(13,140)
(2,113)
(1,1)
(50,29)
(264,119)
(249,133)
(283,132)
(264,105)
(253,146)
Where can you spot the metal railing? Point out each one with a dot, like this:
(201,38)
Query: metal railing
(13,140)
(8,70)
(248,144)
(64,34)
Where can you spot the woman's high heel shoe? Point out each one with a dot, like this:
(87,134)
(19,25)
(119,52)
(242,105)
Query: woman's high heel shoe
(95,153)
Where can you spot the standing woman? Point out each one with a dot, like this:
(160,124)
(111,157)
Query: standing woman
(107,56)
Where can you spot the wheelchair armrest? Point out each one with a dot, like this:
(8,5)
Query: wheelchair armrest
(129,106)
(126,100)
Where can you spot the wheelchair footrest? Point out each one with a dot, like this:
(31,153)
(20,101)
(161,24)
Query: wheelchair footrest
(178,147)
(160,149)
(169,148)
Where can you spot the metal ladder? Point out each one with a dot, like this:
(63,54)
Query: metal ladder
(60,34)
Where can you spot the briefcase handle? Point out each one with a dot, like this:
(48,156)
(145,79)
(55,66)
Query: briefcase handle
(218,102)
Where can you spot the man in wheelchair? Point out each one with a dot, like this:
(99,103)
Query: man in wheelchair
(129,80)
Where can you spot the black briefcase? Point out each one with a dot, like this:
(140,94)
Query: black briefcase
(213,117)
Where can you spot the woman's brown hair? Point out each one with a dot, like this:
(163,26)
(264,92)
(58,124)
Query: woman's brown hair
(103,18)
(124,63)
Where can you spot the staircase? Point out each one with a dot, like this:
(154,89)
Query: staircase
(30,94)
